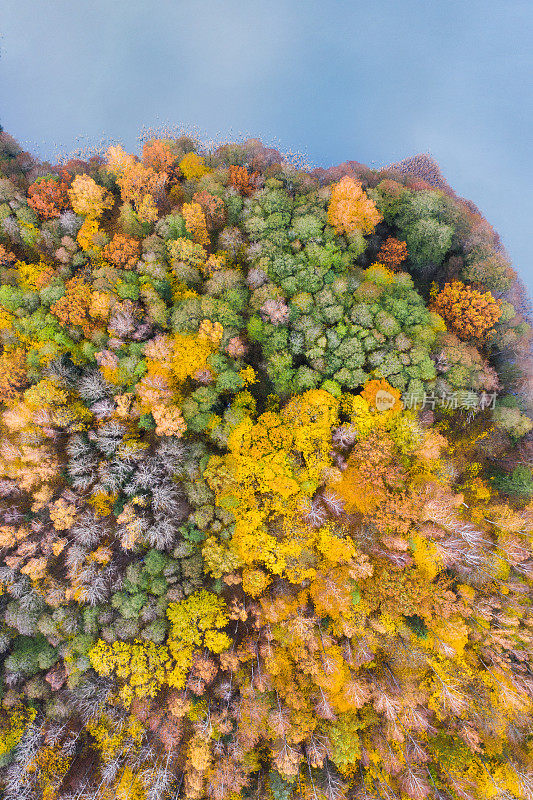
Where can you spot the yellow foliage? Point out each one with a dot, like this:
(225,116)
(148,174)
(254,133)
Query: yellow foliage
(402,427)
(379,274)
(102,502)
(87,237)
(62,515)
(110,738)
(193,166)
(12,373)
(125,404)
(118,161)
(33,277)
(7,536)
(12,727)
(6,320)
(219,558)
(260,479)
(143,665)
(50,767)
(350,209)
(147,209)
(101,303)
(255,581)
(45,393)
(452,631)
(195,622)
(210,331)
(479,489)
(215,262)
(189,252)
(130,786)
(88,198)
(248,375)
(200,754)
(426,557)
(195,223)
(190,355)
(334,547)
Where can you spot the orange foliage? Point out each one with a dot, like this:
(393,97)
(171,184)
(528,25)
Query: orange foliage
(7,259)
(469,312)
(142,185)
(49,196)
(213,208)
(62,515)
(157,155)
(169,421)
(35,568)
(137,181)
(392,253)
(72,308)
(12,374)
(372,472)
(380,395)
(350,210)
(394,518)
(122,251)
(242,180)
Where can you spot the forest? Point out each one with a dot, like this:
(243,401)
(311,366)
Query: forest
(266,482)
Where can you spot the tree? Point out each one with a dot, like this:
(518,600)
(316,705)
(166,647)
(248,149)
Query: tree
(49,195)
(392,253)
(470,313)
(350,210)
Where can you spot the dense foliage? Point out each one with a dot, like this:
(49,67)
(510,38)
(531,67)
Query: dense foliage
(265,483)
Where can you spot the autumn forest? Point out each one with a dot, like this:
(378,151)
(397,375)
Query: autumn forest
(266,486)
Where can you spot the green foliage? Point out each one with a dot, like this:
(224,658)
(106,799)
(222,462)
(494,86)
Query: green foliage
(172,227)
(518,484)
(344,738)
(512,421)
(30,655)
(278,787)
(419,218)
